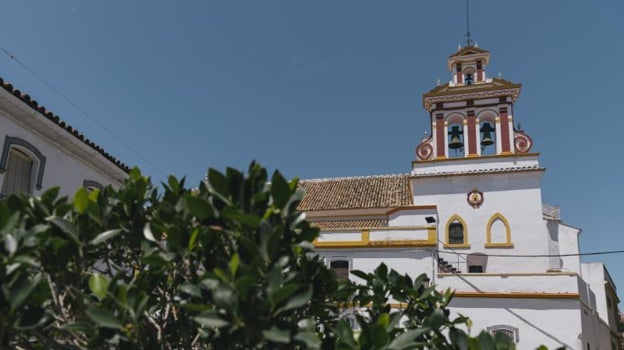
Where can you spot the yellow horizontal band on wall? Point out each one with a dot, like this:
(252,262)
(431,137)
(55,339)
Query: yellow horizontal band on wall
(365,242)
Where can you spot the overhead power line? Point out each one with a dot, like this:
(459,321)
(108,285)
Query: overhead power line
(83,111)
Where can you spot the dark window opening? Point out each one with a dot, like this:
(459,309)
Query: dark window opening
(456,233)
(475,269)
(341,268)
(469,79)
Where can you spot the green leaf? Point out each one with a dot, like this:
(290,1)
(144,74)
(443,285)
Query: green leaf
(31,318)
(210,318)
(234,261)
(104,318)
(486,341)
(20,289)
(296,301)
(309,338)
(407,339)
(10,244)
(81,200)
(191,289)
(11,222)
(99,285)
(459,338)
(345,333)
(280,294)
(66,227)
(194,206)
(360,274)
(105,236)
(218,184)
(280,190)
(277,335)
(147,233)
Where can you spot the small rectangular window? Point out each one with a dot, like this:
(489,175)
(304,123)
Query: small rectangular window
(341,268)
(475,269)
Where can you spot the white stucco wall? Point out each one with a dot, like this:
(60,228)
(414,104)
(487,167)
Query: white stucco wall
(550,322)
(516,195)
(409,261)
(62,167)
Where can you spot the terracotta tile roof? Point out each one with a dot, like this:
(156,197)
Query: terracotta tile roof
(62,124)
(333,224)
(384,191)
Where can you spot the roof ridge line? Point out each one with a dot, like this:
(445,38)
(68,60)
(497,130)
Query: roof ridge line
(354,177)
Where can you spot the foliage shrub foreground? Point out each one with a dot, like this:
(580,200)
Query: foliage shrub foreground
(227,266)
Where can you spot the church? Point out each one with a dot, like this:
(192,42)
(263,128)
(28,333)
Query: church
(470,216)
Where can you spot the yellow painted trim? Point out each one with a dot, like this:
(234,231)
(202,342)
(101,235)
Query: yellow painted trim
(365,236)
(457,246)
(519,295)
(499,245)
(441,157)
(414,207)
(380,228)
(365,241)
(375,244)
(488,242)
(446,233)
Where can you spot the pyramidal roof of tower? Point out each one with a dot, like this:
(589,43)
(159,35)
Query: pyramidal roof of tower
(497,86)
(382,191)
(468,50)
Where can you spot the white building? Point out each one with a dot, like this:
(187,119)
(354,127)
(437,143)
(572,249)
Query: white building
(40,151)
(470,215)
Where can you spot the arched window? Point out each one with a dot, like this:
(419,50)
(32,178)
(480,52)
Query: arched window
(341,268)
(456,233)
(487,132)
(22,165)
(506,331)
(498,232)
(456,137)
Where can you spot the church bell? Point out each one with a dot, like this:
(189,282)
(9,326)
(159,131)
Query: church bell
(486,138)
(456,141)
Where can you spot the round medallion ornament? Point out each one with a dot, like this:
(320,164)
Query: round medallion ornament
(475,198)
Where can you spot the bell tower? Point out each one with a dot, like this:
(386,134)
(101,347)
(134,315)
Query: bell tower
(471,115)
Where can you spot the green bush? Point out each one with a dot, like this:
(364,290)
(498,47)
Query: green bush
(227,266)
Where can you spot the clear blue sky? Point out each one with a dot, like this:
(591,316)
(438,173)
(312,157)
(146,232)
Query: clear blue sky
(330,88)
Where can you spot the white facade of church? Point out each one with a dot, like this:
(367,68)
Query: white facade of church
(470,216)
(39,151)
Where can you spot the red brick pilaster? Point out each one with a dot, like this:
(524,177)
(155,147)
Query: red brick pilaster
(504,128)
(471,133)
(440,136)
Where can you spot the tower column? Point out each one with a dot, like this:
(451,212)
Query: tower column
(440,136)
(504,129)
(472,134)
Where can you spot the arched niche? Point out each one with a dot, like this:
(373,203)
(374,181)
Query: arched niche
(498,232)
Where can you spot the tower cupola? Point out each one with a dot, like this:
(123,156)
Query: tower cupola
(468,66)
(472,115)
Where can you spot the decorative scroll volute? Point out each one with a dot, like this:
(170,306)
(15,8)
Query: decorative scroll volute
(522,142)
(424,151)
